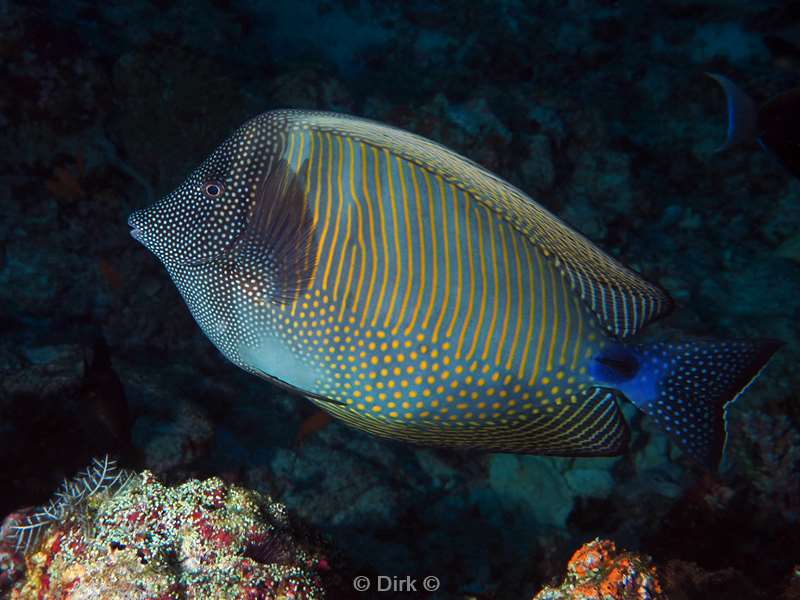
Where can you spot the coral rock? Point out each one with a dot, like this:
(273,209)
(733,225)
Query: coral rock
(597,571)
(200,539)
(12,567)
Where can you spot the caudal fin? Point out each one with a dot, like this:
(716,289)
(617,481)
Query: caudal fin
(742,113)
(685,388)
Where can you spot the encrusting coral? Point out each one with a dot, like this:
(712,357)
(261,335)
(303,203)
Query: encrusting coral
(142,539)
(597,571)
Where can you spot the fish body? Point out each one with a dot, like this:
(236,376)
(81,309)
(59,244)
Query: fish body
(775,124)
(414,295)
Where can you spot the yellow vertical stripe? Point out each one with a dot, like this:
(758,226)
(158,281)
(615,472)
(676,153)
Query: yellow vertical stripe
(398,256)
(434,254)
(470,281)
(507,278)
(350,269)
(345,245)
(289,153)
(362,246)
(318,185)
(409,247)
(554,319)
(532,316)
(567,320)
(297,170)
(542,292)
(446,252)
(384,237)
(459,258)
(579,334)
(318,182)
(520,301)
(337,223)
(495,279)
(365,177)
(484,284)
(326,223)
(422,255)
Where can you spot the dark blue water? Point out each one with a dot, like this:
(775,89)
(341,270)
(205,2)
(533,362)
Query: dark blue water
(600,110)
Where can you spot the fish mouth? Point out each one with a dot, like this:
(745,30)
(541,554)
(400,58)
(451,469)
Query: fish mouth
(135,232)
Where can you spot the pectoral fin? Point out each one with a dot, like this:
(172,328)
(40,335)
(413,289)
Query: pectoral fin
(275,254)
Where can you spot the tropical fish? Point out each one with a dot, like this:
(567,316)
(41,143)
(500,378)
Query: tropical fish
(414,295)
(775,125)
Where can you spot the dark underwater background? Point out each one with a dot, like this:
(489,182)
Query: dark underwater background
(599,109)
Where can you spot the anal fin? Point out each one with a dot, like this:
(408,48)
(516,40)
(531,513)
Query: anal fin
(592,426)
(596,427)
(296,390)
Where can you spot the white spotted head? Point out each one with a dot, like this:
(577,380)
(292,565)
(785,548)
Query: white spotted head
(203,217)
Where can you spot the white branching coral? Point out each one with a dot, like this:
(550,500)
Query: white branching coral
(70,501)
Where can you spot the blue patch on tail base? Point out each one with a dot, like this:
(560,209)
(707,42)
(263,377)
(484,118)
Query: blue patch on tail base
(615,365)
(685,387)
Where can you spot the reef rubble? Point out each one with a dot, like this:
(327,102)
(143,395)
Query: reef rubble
(598,571)
(142,539)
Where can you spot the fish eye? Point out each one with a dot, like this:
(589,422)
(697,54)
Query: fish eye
(213,189)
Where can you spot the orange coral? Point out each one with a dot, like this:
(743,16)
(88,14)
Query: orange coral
(590,557)
(597,571)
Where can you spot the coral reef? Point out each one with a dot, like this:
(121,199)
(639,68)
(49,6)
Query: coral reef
(70,504)
(598,571)
(12,567)
(200,539)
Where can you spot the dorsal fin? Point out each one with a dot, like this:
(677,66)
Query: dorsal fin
(274,255)
(620,299)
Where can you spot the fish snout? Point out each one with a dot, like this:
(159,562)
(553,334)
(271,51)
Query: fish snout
(133,223)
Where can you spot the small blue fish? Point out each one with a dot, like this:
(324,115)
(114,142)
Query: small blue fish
(415,295)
